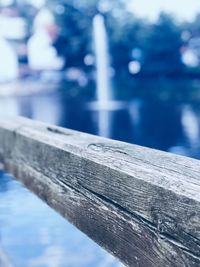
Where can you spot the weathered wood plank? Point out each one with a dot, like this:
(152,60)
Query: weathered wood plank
(140,204)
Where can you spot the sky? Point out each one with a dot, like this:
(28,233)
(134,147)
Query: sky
(183,9)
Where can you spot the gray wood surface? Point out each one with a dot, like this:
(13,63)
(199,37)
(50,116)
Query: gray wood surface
(140,204)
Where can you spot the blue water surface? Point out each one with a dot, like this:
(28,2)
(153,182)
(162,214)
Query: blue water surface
(32,234)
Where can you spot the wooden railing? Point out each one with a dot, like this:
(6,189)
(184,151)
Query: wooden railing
(140,204)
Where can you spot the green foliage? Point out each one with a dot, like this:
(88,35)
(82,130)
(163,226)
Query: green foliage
(156,46)
(75,22)
(162,48)
(193,27)
(125,34)
(75,31)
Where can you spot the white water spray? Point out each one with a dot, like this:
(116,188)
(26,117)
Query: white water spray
(105,103)
(102,61)
(104,94)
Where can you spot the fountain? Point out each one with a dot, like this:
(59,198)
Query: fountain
(104,94)
(104,104)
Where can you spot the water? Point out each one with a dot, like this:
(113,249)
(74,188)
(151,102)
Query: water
(167,125)
(30,232)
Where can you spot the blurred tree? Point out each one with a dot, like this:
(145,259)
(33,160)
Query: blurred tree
(193,27)
(156,47)
(127,35)
(74,22)
(162,48)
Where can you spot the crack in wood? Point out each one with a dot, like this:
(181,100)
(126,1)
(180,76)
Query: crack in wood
(157,229)
(140,204)
(57,131)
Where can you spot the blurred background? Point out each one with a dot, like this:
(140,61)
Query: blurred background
(118,69)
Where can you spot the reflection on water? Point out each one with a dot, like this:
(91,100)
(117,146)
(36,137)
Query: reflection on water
(190,122)
(31,234)
(164,125)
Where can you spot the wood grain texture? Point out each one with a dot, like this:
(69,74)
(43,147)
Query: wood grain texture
(142,205)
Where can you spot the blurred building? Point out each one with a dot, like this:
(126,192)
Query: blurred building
(13,35)
(42,55)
